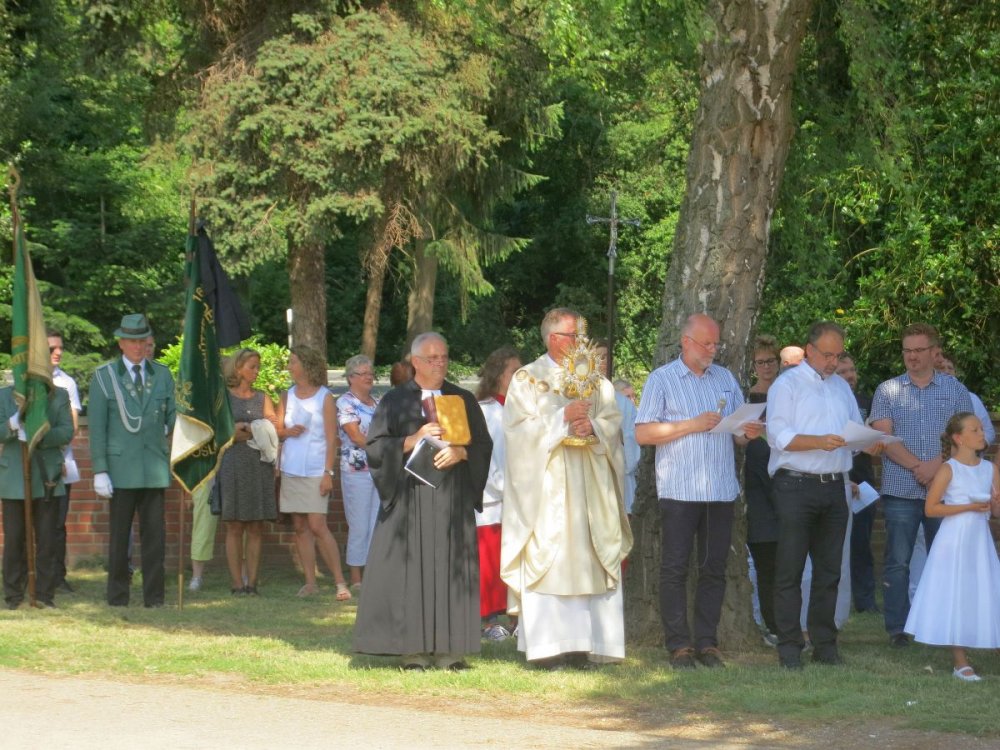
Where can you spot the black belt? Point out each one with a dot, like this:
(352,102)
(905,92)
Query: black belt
(824,478)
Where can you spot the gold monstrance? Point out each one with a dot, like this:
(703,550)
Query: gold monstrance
(581,375)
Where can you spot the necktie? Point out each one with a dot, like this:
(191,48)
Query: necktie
(137,377)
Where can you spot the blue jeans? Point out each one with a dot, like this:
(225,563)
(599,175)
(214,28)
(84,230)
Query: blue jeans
(903,516)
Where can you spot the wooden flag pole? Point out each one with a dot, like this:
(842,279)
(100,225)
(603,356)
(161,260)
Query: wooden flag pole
(182,509)
(29,525)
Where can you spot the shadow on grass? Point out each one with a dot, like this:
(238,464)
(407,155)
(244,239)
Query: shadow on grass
(280,639)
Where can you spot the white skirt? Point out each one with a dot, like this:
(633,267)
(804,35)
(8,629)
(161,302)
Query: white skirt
(957,602)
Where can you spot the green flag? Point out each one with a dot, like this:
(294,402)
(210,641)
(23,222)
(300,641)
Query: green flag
(204,427)
(29,346)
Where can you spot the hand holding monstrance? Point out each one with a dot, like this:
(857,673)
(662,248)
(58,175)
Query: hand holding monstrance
(580,377)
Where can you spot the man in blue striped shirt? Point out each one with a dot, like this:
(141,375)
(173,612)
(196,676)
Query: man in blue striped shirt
(915,406)
(696,483)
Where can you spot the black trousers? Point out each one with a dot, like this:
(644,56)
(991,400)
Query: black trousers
(15,549)
(60,552)
(813,522)
(764,555)
(712,525)
(862,561)
(148,503)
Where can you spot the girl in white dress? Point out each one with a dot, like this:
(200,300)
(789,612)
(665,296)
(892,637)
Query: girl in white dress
(957,602)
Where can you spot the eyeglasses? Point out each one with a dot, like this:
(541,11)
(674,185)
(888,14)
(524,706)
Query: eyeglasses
(829,356)
(765,362)
(567,335)
(710,347)
(435,359)
(917,350)
(362,373)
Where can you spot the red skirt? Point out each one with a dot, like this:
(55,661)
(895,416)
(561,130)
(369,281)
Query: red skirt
(492,589)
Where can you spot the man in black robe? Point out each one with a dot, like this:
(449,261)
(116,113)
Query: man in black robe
(421,594)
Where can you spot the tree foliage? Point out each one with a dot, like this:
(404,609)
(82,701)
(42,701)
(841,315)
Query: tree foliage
(889,217)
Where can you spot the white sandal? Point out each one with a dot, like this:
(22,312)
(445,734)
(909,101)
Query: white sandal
(966,674)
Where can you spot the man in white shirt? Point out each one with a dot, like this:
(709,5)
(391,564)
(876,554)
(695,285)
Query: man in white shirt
(696,483)
(807,406)
(70,473)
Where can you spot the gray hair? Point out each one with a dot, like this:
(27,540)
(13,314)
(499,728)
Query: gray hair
(358,360)
(423,338)
(621,384)
(553,317)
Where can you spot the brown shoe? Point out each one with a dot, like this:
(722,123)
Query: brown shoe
(682,658)
(711,657)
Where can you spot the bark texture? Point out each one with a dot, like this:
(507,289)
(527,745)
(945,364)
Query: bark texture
(739,146)
(421,302)
(307,286)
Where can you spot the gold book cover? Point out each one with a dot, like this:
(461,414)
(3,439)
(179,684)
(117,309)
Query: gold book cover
(453,419)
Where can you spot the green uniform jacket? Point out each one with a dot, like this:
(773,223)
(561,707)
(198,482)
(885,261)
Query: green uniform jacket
(50,447)
(129,432)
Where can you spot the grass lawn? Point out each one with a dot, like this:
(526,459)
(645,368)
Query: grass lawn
(278,642)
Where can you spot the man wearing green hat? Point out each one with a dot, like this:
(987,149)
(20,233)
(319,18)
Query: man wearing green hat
(131,413)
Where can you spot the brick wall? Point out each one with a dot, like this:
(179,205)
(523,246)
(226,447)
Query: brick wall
(87,522)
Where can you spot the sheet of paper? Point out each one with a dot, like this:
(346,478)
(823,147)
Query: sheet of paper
(733,424)
(858,437)
(866,496)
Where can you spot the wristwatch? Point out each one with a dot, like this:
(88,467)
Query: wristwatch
(330,472)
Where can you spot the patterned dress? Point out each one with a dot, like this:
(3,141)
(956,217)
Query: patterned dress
(246,482)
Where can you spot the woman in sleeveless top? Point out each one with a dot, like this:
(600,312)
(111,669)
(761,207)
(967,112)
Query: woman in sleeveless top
(307,423)
(246,480)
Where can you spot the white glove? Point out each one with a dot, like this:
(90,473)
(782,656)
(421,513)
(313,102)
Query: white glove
(102,485)
(15,422)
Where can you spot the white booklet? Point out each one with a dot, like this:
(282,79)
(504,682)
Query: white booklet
(858,437)
(735,422)
(866,496)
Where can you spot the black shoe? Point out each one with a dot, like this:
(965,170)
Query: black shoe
(238,592)
(414,668)
(581,660)
(872,610)
(250,591)
(899,640)
(46,605)
(831,659)
(458,666)
(552,664)
(682,658)
(710,657)
(793,663)
(64,586)
(156,605)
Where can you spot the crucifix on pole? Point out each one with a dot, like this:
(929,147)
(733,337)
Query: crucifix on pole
(614,221)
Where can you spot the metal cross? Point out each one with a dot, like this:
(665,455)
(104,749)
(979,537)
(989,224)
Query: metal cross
(614,221)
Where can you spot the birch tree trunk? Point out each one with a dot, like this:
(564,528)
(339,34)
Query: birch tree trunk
(739,146)
(307,288)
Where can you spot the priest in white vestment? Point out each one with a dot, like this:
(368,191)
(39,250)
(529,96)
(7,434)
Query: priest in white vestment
(565,531)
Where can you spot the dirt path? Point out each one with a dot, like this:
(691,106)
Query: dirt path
(87,713)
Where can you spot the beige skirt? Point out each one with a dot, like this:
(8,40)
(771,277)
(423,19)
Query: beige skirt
(301,495)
